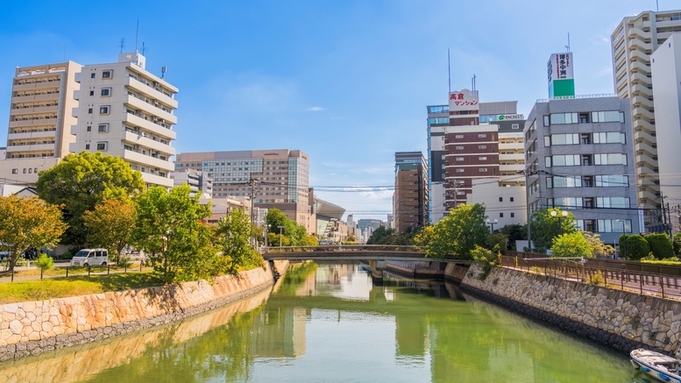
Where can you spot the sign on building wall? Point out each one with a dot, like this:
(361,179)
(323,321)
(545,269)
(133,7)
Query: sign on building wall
(559,66)
(464,100)
(504,117)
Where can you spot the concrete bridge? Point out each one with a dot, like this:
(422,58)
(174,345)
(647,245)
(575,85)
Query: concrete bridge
(376,255)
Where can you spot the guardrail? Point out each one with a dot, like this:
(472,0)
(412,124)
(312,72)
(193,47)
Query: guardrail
(615,278)
(344,248)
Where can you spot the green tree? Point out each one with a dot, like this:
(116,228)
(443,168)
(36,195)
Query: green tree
(459,232)
(600,249)
(28,223)
(110,225)
(497,242)
(44,263)
(80,182)
(381,236)
(234,234)
(280,223)
(545,227)
(677,243)
(424,236)
(169,227)
(637,247)
(660,245)
(622,242)
(571,245)
(514,232)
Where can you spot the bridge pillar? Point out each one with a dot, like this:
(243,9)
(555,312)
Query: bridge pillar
(377,268)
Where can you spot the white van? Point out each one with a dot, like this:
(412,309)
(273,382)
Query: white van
(92,257)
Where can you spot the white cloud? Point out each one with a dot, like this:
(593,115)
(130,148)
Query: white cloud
(315,109)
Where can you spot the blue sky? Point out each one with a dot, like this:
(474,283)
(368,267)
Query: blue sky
(345,81)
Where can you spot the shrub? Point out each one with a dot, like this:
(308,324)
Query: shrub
(637,247)
(596,278)
(44,263)
(622,242)
(677,243)
(660,245)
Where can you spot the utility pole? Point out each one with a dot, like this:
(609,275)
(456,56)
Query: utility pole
(254,193)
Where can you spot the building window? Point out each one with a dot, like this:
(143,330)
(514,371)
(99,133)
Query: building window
(89,110)
(15,171)
(458,147)
(103,128)
(104,109)
(483,170)
(459,158)
(106,92)
(92,93)
(512,215)
(92,75)
(501,215)
(459,170)
(458,136)
(483,158)
(87,146)
(107,74)
(547,122)
(512,199)
(515,126)
(101,146)
(501,199)
(482,135)
(482,146)
(88,128)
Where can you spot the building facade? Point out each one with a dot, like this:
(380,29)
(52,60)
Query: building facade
(126,111)
(410,201)
(40,120)
(277,178)
(666,70)
(197,180)
(449,183)
(632,43)
(578,158)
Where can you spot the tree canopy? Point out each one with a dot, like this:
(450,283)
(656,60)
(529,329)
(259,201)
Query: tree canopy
(572,245)
(233,236)
(110,225)
(290,233)
(459,232)
(545,227)
(169,227)
(28,223)
(81,181)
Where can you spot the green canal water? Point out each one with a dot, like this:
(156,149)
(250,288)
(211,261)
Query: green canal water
(328,323)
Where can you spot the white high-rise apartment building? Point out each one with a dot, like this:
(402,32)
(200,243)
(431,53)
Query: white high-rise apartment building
(40,120)
(666,64)
(633,42)
(126,111)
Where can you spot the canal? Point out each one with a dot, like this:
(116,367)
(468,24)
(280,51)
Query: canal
(328,323)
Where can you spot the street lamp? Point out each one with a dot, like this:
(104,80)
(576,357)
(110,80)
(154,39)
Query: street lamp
(562,215)
(491,224)
(280,234)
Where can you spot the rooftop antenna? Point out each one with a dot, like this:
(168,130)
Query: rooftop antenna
(163,71)
(473,82)
(568,45)
(122,44)
(137,34)
(449,71)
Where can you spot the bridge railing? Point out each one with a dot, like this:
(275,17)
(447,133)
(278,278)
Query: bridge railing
(345,248)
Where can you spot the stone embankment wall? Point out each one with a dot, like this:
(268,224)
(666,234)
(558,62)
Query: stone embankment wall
(30,328)
(620,319)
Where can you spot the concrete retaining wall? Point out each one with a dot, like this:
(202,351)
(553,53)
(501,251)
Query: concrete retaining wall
(620,319)
(30,328)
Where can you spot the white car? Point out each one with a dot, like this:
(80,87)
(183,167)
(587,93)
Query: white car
(91,257)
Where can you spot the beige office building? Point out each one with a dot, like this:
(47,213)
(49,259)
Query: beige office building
(40,120)
(633,42)
(126,111)
(281,178)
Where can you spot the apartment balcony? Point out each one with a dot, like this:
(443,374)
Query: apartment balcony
(150,108)
(154,127)
(641,112)
(24,111)
(30,148)
(641,78)
(36,97)
(150,91)
(646,126)
(640,44)
(31,135)
(647,196)
(147,160)
(645,159)
(32,123)
(511,168)
(154,179)
(638,32)
(36,86)
(644,141)
(139,139)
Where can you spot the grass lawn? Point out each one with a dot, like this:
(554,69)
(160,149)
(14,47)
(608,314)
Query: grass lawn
(36,290)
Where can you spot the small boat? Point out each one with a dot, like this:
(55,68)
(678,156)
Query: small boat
(659,366)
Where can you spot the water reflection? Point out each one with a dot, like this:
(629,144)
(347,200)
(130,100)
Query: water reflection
(329,323)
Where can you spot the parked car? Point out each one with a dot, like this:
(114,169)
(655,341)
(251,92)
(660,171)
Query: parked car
(91,257)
